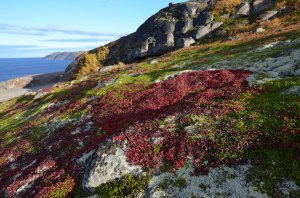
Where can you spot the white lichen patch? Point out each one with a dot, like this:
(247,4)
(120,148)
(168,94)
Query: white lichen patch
(173,75)
(168,121)
(157,140)
(29,183)
(222,181)
(59,104)
(77,131)
(16,176)
(89,126)
(13,166)
(267,60)
(11,158)
(102,84)
(33,162)
(287,187)
(43,169)
(80,143)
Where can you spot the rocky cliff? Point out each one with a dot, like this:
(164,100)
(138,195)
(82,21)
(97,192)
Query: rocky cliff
(63,55)
(177,26)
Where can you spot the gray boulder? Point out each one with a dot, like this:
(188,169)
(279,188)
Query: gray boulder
(260,6)
(244,9)
(108,163)
(185,26)
(203,19)
(268,15)
(184,42)
(204,30)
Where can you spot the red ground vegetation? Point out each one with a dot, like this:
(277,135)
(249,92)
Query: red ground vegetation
(56,155)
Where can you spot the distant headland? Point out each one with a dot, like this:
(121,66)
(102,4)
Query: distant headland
(63,55)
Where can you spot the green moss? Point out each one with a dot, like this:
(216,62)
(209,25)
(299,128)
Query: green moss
(180,183)
(274,164)
(164,185)
(157,148)
(204,187)
(62,191)
(272,168)
(127,186)
(168,167)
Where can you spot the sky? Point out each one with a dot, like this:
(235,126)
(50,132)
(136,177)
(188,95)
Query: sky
(35,28)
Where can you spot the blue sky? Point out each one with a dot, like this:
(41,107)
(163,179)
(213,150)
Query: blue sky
(34,28)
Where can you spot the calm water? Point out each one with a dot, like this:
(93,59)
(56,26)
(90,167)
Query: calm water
(17,67)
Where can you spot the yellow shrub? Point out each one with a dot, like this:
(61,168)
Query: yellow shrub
(226,6)
(240,28)
(271,24)
(280,4)
(102,54)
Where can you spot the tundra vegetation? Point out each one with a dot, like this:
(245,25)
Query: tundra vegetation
(191,107)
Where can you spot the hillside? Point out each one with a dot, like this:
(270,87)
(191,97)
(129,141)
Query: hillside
(216,119)
(63,55)
(185,24)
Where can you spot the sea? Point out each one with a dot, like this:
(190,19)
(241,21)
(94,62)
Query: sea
(11,68)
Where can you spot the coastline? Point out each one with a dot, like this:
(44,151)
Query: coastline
(28,84)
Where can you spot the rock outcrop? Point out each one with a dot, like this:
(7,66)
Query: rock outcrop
(176,26)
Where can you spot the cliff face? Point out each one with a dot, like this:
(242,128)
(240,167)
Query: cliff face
(63,55)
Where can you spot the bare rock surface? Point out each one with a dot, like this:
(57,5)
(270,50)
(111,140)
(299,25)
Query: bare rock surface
(244,8)
(260,6)
(268,15)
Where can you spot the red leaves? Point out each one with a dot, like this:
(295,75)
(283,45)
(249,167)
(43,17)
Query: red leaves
(139,109)
(119,108)
(191,93)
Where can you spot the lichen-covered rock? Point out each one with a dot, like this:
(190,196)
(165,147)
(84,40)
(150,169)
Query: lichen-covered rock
(108,163)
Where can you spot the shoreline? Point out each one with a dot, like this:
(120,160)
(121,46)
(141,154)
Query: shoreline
(24,85)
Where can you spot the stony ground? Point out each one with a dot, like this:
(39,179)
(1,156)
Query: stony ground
(184,124)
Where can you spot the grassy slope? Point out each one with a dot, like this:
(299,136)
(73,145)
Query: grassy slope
(42,139)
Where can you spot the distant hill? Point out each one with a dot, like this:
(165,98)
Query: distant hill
(63,55)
